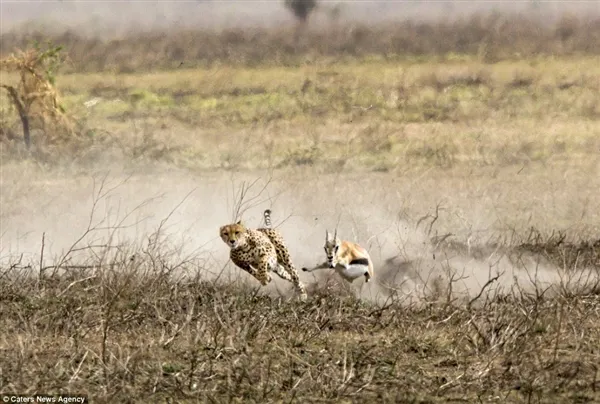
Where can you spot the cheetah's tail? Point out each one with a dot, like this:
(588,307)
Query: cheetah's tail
(267,215)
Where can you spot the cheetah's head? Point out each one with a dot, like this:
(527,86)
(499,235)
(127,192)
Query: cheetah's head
(332,246)
(234,235)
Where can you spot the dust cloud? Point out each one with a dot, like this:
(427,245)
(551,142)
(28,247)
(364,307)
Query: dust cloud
(86,212)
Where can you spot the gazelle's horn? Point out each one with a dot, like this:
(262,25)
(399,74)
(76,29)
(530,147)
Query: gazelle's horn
(335,234)
(326,235)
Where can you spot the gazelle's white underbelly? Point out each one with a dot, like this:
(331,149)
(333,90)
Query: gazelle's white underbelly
(352,272)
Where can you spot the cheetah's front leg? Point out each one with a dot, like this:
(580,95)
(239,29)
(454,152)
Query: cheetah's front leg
(262,271)
(245,266)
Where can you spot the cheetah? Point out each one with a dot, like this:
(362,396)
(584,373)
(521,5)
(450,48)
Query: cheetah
(259,251)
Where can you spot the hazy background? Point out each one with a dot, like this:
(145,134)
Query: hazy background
(109,18)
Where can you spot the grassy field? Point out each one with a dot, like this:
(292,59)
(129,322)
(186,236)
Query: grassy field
(369,115)
(473,178)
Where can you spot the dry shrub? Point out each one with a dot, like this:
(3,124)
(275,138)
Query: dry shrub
(559,249)
(35,99)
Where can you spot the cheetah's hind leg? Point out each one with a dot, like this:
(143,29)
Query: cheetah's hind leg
(283,274)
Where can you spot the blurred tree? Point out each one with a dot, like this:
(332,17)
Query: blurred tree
(301,8)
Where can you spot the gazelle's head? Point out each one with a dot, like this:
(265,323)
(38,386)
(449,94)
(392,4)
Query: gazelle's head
(331,248)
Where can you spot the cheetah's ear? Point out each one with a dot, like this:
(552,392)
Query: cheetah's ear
(239,222)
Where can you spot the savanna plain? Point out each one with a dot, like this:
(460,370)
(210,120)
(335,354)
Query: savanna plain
(465,157)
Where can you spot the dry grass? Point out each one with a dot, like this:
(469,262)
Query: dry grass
(360,116)
(139,324)
(150,322)
(131,329)
(382,98)
(486,37)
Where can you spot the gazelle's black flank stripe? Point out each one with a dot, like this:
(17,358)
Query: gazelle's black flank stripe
(359,261)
